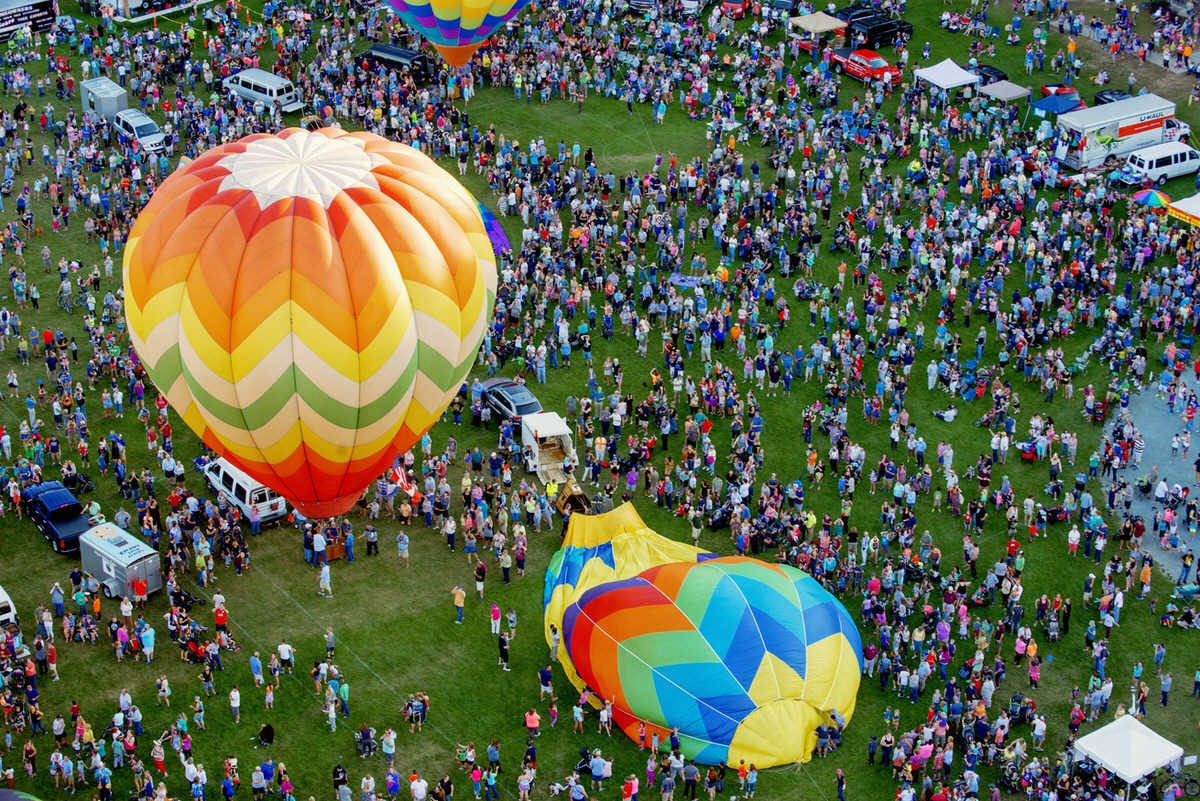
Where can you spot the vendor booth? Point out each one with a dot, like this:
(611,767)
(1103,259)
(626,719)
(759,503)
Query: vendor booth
(1187,210)
(1005,91)
(817,23)
(947,75)
(1129,750)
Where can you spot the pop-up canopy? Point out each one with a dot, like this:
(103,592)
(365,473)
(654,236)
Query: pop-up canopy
(1128,748)
(1005,91)
(1187,209)
(947,75)
(820,22)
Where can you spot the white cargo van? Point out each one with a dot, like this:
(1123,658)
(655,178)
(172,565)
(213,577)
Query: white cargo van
(255,84)
(244,491)
(1160,163)
(1086,138)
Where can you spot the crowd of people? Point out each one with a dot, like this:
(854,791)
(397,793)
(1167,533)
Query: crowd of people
(963,265)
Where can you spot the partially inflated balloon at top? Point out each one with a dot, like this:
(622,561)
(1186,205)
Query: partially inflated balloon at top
(456,28)
(309,303)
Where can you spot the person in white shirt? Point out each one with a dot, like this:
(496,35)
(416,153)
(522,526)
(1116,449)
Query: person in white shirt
(947,415)
(286,654)
(420,788)
(235,704)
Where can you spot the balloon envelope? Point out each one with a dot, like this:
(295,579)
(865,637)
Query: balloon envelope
(495,231)
(456,28)
(309,303)
(746,658)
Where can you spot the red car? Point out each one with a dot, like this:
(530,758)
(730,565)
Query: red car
(737,8)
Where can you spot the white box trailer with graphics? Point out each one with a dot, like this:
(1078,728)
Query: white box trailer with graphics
(117,558)
(546,443)
(1086,138)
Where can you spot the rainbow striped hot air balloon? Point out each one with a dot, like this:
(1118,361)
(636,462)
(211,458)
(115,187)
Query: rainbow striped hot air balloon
(456,28)
(309,303)
(745,658)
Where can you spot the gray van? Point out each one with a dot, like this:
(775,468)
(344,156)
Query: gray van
(255,84)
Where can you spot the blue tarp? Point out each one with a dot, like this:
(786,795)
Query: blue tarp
(1059,104)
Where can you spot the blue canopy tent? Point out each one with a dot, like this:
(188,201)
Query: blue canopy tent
(1057,104)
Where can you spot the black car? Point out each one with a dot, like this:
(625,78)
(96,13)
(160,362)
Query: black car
(856,11)
(1111,96)
(509,400)
(391,57)
(988,74)
(875,32)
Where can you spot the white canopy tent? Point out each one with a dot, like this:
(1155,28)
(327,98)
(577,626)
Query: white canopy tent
(1128,748)
(818,22)
(947,75)
(1005,91)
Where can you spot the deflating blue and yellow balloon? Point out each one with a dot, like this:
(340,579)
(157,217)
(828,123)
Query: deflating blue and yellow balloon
(456,28)
(745,658)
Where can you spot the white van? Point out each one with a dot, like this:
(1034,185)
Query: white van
(244,491)
(8,611)
(10,625)
(135,125)
(1160,163)
(271,89)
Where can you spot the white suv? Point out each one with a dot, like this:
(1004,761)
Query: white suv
(137,126)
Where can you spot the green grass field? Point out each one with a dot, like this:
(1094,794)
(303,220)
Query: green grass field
(394,626)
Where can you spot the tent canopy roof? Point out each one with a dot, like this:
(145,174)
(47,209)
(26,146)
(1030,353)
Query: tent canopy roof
(1128,748)
(1186,209)
(1005,91)
(819,22)
(1057,104)
(947,75)
(546,424)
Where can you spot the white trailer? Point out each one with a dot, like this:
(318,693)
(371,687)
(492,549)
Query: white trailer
(547,446)
(1086,138)
(117,558)
(104,97)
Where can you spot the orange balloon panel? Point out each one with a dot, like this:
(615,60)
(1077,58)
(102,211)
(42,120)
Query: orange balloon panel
(310,302)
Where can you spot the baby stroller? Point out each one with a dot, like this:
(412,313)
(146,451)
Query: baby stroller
(1052,628)
(1010,778)
(364,740)
(78,483)
(185,600)
(585,761)
(1057,514)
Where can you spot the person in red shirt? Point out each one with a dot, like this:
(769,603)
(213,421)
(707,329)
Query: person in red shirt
(139,592)
(220,618)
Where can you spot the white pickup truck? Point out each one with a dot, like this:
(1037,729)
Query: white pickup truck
(547,446)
